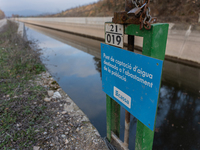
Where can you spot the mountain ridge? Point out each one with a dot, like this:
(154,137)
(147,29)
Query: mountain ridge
(187,11)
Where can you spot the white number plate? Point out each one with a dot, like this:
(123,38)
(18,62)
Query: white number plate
(114,34)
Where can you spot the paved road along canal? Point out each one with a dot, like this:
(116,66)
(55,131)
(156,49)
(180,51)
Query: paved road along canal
(74,61)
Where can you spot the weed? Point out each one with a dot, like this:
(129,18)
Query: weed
(19,117)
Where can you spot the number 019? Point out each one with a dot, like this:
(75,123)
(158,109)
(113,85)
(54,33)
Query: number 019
(113,39)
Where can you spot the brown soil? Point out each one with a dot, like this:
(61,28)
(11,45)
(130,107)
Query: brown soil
(186,11)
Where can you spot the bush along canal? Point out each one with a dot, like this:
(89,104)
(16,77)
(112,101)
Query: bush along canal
(35,113)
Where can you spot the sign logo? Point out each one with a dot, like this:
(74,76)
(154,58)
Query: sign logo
(122,97)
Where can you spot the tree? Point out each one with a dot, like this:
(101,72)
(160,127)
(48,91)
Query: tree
(2,15)
(109,4)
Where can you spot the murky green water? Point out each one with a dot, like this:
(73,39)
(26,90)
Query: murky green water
(75,63)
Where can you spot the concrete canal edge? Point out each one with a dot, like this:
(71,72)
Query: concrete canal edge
(182,43)
(3,22)
(91,137)
(21,30)
(84,135)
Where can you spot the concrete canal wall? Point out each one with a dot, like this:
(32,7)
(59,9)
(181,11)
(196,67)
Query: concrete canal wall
(3,22)
(178,75)
(93,27)
(182,45)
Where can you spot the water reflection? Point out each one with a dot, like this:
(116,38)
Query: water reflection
(81,83)
(178,123)
(97,63)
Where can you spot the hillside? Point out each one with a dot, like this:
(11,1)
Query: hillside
(2,15)
(166,10)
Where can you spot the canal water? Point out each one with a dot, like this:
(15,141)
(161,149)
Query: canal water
(76,65)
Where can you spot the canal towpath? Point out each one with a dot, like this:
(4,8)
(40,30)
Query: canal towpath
(2,23)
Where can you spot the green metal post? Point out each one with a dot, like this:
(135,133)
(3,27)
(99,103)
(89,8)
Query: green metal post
(109,116)
(154,45)
(113,117)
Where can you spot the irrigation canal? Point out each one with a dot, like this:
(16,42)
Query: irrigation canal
(74,62)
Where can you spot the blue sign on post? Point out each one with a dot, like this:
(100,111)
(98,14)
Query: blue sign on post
(133,80)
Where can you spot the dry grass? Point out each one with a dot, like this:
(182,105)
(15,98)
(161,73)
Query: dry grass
(166,10)
(19,117)
(21,59)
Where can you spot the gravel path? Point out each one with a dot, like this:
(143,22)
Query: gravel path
(72,129)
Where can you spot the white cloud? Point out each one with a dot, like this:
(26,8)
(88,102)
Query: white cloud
(68,65)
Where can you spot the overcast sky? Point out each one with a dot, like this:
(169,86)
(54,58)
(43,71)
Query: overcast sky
(44,6)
